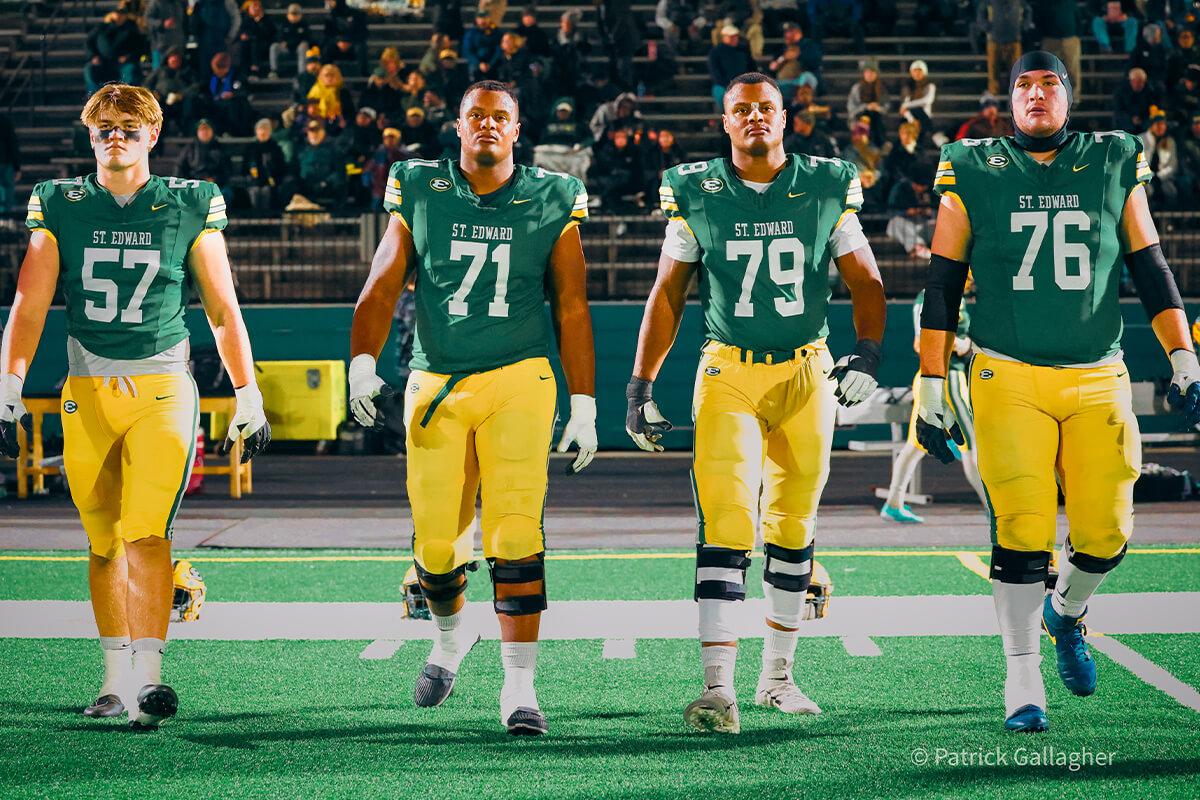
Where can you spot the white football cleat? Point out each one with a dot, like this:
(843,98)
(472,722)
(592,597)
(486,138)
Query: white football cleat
(716,711)
(784,694)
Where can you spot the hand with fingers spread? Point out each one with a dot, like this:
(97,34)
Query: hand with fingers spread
(937,427)
(12,411)
(368,392)
(249,424)
(856,373)
(1184,393)
(644,423)
(580,430)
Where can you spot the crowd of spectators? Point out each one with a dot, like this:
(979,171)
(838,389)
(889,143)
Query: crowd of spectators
(581,114)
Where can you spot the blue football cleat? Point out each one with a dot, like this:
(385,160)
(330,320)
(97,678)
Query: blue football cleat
(1075,664)
(902,514)
(1027,719)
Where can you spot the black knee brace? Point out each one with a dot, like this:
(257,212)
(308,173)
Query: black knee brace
(1096,566)
(1018,566)
(440,588)
(789,570)
(710,586)
(519,572)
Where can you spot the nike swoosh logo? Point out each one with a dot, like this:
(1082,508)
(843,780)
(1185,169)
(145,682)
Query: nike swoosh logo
(1080,169)
(518,202)
(797,195)
(164,397)
(540,378)
(156,208)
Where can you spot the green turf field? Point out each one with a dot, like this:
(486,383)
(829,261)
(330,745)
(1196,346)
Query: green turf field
(300,719)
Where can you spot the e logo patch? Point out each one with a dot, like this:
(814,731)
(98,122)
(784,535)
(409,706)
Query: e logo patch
(984,374)
(440,184)
(70,407)
(712,371)
(75,194)
(712,185)
(997,160)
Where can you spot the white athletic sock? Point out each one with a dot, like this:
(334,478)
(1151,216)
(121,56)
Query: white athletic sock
(116,652)
(719,661)
(779,652)
(902,472)
(147,661)
(1074,586)
(520,665)
(449,646)
(1018,612)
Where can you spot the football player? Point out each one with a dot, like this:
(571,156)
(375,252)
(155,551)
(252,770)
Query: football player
(759,229)
(909,457)
(127,245)
(484,239)
(1044,218)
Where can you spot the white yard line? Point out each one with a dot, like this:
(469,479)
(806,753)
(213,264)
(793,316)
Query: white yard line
(937,615)
(861,646)
(381,649)
(1147,670)
(620,648)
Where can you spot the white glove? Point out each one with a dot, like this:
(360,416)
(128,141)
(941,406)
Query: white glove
(365,386)
(581,430)
(855,373)
(12,411)
(249,423)
(936,424)
(1184,393)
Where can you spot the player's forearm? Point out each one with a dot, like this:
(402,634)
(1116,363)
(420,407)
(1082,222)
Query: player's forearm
(233,345)
(21,337)
(935,351)
(371,324)
(870,309)
(577,350)
(1171,328)
(660,326)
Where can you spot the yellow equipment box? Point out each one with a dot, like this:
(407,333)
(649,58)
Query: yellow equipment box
(303,399)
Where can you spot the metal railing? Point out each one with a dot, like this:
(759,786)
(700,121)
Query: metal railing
(322,257)
(21,90)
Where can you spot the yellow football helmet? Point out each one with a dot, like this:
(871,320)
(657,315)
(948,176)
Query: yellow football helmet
(820,589)
(415,605)
(189,592)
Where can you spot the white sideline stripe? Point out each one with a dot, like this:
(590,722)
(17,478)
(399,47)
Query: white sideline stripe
(1147,670)
(975,564)
(861,646)
(931,615)
(381,649)
(620,648)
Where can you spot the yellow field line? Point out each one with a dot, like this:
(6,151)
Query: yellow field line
(962,555)
(973,562)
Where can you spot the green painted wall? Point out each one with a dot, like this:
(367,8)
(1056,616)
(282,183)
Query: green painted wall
(322,332)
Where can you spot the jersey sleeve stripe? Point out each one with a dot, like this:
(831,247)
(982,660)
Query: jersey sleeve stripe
(46,231)
(944,164)
(579,214)
(944,181)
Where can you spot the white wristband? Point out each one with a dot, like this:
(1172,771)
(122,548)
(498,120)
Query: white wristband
(11,385)
(1185,361)
(362,366)
(249,396)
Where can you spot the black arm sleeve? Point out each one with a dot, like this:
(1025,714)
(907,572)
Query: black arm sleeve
(1155,283)
(943,293)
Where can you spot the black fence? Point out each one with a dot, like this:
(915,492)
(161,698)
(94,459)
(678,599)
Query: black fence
(323,257)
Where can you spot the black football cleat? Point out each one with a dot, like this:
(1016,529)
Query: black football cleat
(106,705)
(526,721)
(156,703)
(434,685)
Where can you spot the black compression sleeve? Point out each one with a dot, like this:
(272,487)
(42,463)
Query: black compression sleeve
(1155,283)
(943,293)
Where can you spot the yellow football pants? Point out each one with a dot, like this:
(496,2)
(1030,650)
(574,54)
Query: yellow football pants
(492,428)
(1032,423)
(762,439)
(128,447)
(957,398)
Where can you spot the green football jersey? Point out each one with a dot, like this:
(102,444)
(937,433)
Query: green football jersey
(962,332)
(1046,254)
(764,282)
(124,269)
(482,262)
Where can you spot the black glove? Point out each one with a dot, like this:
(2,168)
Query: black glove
(643,421)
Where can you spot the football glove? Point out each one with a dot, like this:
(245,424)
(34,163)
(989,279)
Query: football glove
(1184,393)
(12,411)
(581,430)
(249,423)
(368,392)
(937,426)
(855,373)
(643,421)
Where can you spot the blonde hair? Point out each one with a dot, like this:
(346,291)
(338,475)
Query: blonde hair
(121,99)
(328,96)
(390,54)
